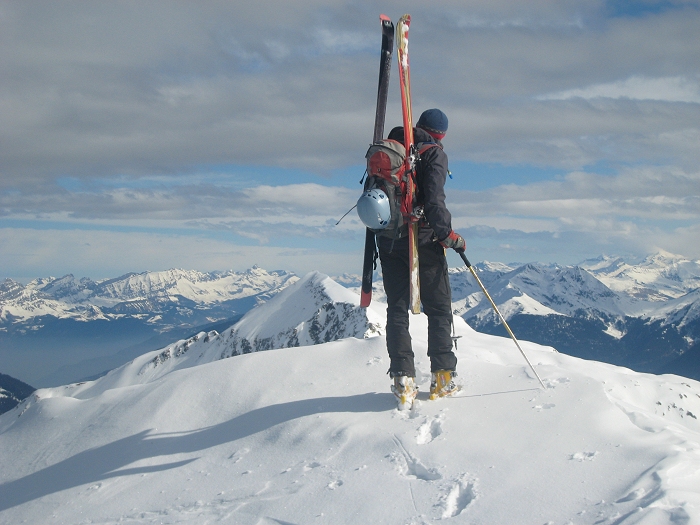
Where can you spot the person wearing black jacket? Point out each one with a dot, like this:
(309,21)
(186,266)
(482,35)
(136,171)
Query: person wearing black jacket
(434,235)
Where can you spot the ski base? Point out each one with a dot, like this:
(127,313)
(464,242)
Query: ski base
(382,93)
(413,269)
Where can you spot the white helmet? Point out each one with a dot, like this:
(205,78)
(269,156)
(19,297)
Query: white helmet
(374,209)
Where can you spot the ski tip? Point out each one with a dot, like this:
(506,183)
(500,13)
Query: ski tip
(384,18)
(365,299)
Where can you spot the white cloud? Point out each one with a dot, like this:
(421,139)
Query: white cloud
(666,89)
(649,193)
(132,104)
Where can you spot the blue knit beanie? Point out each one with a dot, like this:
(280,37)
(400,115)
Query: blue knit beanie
(433,121)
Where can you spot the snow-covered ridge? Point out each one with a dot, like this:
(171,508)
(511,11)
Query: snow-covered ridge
(643,315)
(311,311)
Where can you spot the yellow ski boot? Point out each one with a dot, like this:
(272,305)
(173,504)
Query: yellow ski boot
(442,384)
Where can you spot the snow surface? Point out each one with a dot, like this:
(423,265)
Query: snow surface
(311,435)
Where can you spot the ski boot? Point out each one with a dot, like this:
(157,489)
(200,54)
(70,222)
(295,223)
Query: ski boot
(405,390)
(442,384)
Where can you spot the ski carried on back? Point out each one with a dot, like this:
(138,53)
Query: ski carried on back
(382,92)
(410,162)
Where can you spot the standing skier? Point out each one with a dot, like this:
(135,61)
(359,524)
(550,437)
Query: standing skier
(434,235)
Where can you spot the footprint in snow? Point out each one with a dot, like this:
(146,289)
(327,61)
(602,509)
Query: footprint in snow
(429,430)
(335,484)
(460,494)
(546,406)
(311,466)
(551,383)
(583,456)
(410,466)
(238,454)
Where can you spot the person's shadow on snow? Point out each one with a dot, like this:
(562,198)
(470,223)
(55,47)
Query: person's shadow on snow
(107,461)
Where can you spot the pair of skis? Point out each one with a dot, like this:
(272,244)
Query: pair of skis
(407,206)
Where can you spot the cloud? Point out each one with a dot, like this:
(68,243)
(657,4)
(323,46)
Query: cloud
(170,118)
(107,89)
(648,193)
(171,206)
(637,211)
(669,89)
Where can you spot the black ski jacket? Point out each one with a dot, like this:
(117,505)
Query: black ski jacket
(431,175)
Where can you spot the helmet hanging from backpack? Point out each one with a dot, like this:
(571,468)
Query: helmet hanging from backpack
(374,209)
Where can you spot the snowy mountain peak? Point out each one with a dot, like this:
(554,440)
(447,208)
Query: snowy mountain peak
(659,277)
(313,310)
(664,258)
(10,289)
(494,267)
(543,289)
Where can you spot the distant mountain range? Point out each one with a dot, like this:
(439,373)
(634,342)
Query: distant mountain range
(183,296)
(57,330)
(644,315)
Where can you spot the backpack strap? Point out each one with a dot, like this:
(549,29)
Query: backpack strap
(425,146)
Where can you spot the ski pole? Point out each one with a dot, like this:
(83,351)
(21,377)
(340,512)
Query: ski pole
(512,336)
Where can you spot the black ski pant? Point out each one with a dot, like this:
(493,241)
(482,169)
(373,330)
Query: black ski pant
(436,299)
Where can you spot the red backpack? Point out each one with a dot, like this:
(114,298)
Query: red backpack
(386,170)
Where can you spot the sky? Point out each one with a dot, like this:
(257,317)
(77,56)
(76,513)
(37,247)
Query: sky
(218,135)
